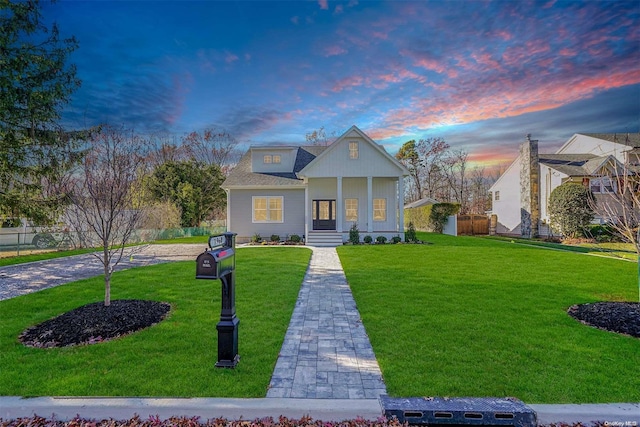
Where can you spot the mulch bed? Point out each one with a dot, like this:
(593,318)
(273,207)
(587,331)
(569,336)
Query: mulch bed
(620,317)
(95,323)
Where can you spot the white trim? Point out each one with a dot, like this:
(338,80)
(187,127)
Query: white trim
(267,221)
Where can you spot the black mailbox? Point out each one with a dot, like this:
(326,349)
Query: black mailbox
(216,263)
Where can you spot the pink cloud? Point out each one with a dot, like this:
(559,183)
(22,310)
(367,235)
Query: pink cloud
(339,9)
(334,51)
(230,58)
(324,4)
(348,82)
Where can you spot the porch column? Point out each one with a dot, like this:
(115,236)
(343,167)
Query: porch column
(401,204)
(369,204)
(306,211)
(339,206)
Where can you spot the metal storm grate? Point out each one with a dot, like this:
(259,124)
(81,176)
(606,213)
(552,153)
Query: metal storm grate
(460,411)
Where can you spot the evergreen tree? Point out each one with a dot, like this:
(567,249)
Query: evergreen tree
(35,83)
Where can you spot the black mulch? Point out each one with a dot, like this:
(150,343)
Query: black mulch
(95,323)
(620,317)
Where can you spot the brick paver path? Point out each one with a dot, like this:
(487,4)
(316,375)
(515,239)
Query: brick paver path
(326,351)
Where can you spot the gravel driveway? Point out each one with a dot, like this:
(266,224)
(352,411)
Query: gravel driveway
(23,279)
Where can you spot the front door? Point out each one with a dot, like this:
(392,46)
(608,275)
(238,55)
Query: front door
(324,214)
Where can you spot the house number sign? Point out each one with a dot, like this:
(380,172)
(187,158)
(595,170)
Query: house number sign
(216,241)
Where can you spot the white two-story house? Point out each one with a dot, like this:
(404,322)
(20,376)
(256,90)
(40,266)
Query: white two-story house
(317,192)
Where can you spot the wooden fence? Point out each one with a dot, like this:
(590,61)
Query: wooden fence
(473,224)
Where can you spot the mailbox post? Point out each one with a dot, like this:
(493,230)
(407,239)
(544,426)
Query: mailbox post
(219,262)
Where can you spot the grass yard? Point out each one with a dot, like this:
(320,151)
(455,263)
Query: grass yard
(477,317)
(173,358)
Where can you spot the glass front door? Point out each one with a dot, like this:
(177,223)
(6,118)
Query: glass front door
(324,214)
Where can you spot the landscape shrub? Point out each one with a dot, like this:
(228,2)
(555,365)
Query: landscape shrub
(396,239)
(440,213)
(367,239)
(354,234)
(295,238)
(410,235)
(381,240)
(256,238)
(275,238)
(570,209)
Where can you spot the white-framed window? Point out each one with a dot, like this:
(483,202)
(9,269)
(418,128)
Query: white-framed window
(353,149)
(267,158)
(351,210)
(267,209)
(496,195)
(276,158)
(602,185)
(379,209)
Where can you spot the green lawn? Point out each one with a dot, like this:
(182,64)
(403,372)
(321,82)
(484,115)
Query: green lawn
(175,357)
(474,317)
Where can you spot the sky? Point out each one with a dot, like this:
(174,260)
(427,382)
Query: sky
(480,74)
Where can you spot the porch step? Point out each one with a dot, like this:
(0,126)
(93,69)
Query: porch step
(324,239)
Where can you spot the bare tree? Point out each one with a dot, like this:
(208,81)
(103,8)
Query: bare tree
(105,196)
(212,147)
(424,161)
(479,184)
(455,173)
(619,200)
(319,137)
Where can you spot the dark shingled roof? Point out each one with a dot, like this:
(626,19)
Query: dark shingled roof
(241,175)
(628,139)
(572,164)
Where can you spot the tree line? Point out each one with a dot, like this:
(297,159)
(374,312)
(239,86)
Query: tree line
(442,173)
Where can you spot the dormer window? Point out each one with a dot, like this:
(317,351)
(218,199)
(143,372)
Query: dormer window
(276,158)
(353,150)
(267,158)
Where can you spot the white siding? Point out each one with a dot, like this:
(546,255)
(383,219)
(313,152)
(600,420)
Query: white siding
(385,188)
(355,188)
(241,219)
(580,144)
(336,162)
(507,208)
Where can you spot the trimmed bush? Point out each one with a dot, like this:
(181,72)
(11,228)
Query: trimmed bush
(295,238)
(396,239)
(354,234)
(381,240)
(367,239)
(570,209)
(275,238)
(410,235)
(256,238)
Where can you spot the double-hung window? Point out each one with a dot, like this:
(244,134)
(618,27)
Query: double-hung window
(353,150)
(351,210)
(267,209)
(379,209)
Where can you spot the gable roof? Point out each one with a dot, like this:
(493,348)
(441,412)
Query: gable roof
(628,139)
(242,175)
(364,136)
(421,202)
(577,164)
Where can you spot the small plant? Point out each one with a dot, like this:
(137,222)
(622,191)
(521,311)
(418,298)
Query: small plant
(256,238)
(367,239)
(396,239)
(381,240)
(275,238)
(410,235)
(295,238)
(354,234)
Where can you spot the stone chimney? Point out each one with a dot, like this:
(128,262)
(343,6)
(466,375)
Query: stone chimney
(529,188)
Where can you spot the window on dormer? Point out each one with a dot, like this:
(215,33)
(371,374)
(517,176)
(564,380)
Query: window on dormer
(267,158)
(353,150)
(276,158)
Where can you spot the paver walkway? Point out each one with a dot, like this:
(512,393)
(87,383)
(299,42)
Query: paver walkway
(326,351)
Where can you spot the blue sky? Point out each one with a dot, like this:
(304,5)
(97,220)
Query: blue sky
(481,74)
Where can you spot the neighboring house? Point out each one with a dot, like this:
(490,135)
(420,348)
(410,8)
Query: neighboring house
(521,195)
(317,192)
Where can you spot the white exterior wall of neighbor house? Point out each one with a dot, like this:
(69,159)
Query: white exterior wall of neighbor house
(241,222)
(579,144)
(505,193)
(549,180)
